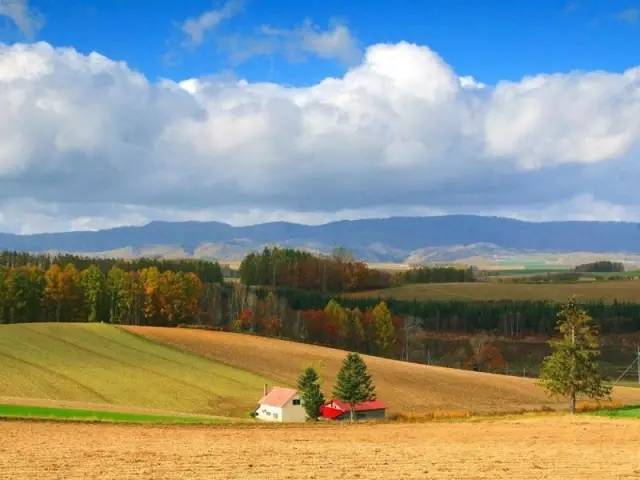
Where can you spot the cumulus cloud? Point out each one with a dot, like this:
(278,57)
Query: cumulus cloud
(19,12)
(86,141)
(196,28)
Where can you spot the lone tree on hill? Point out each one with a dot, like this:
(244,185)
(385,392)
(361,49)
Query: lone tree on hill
(312,397)
(354,383)
(572,368)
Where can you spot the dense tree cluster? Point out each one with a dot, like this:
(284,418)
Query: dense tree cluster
(374,330)
(603,266)
(278,267)
(436,275)
(505,317)
(65,293)
(207,271)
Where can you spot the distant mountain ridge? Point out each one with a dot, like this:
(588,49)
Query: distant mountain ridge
(386,239)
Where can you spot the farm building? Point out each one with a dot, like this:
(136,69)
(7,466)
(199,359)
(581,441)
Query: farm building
(369,410)
(280,404)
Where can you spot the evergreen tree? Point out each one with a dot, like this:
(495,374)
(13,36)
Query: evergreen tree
(572,368)
(312,397)
(354,383)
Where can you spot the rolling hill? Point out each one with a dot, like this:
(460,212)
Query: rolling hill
(407,387)
(390,239)
(153,369)
(86,365)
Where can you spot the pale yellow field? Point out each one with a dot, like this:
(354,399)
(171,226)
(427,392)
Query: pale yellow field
(541,447)
(406,387)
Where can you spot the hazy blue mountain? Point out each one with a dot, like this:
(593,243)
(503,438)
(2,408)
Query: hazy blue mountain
(389,239)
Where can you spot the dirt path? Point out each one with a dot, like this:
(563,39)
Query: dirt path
(544,447)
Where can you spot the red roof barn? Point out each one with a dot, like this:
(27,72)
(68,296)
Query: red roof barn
(339,410)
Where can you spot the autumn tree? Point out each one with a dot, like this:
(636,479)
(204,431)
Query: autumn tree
(310,392)
(385,333)
(572,368)
(354,383)
(93,283)
(62,291)
(338,318)
(355,330)
(21,293)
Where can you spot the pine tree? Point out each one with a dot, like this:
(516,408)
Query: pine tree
(312,397)
(354,383)
(572,368)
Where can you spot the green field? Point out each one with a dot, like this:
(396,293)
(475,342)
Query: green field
(624,412)
(97,363)
(608,291)
(77,414)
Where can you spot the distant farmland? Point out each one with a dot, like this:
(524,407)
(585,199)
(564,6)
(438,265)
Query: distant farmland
(607,291)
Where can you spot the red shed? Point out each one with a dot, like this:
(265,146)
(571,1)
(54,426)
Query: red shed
(339,410)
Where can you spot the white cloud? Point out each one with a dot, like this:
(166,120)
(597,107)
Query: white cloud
(296,44)
(196,28)
(86,142)
(26,19)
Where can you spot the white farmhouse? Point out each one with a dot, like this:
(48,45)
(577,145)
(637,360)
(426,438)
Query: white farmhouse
(281,404)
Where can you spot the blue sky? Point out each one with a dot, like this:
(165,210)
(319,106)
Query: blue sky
(252,111)
(491,39)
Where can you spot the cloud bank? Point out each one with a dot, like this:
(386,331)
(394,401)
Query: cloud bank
(86,142)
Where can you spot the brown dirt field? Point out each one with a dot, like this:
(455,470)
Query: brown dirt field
(406,387)
(540,447)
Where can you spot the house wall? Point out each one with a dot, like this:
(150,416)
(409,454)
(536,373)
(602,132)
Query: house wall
(268,413)
(368,415)
(294,413)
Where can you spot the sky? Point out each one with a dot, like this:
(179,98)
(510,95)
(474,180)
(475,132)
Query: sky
(119,112)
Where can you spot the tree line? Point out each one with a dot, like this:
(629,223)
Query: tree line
(373,330)
(505,317)
(435,275)
(603,266)
(30,293)
(278,267)
(207,271)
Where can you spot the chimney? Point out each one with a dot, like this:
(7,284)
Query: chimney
(266,388)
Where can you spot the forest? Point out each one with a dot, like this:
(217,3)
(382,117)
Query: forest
(277,267)
(603,266)
(170,293)
(435,275)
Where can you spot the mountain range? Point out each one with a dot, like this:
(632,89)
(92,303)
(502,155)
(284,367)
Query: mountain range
(396,239)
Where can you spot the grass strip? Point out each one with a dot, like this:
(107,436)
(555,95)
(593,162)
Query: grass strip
(82,415)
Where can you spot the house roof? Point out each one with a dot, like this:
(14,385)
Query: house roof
(278,396)
(335,408)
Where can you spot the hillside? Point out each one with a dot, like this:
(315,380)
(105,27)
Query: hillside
(391,239)
(100,364)
(407,387)
(607,291)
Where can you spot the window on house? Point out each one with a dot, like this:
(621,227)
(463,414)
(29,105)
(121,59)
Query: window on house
(296,401)
(275,415)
